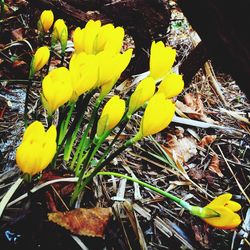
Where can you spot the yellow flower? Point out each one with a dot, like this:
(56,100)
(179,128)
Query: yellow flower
(143,92)
(46,20)
(112,113)
(161,60)
(171,85)
(56,89)
(111,67)
(60,33)
(226,208)
(109,38)
(40,58)
(84,39)
(84,73)
(157,116)
(37,148)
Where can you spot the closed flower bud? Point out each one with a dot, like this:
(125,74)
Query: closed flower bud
(56,89)
(37,148)
(226,209)
(171,85)
(111,67)
(40,58)
(84,39)
(111,115)
(161,60)
(60,33)
(84,73)
(143,92)
(46,20)
(157,116)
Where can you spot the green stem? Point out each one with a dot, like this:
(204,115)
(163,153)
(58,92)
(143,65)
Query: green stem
(179,201)
(81,107)
(64,125)
(50,56)
(62,58)
(82,145)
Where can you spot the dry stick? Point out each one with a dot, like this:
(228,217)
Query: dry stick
(239,185)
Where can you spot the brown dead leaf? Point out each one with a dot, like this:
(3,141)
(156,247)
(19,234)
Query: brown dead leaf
(206,140)
(18,64)
(214,165)
(82,221)
(194,108)
(17,34)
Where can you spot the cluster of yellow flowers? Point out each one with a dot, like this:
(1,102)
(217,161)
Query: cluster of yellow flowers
(98,63)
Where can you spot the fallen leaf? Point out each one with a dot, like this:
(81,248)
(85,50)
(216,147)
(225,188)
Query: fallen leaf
(206,140)
(194,108)
(214,165)
(184,148)
(83,221)
(17,34)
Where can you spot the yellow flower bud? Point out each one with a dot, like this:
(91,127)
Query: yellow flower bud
(56,89)
(84,73)
(111,115)
(143,92)
(60,33)
(226,208)
(37,148)
(161,60)
(40,58)
(157,116)
(171,85)
(84,39)
(46,20)
(111,67)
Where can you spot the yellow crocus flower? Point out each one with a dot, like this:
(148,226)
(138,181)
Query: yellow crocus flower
(40,58)
(171,85)
(84,73)
(111,67)
(109,38)
(56,89)
(157,116)
(46,20)
(112,113)
(161,60)
(60,33)
(84,39)
(143,92)
(37,148)
(226,209)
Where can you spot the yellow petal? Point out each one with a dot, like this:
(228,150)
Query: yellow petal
(161,60)
(114,111)
(78,38)
(104,35)
(57,88)
(232,205)
(143,92)
(41,57)
(171,85)
(114,44)
(157,116)
(47,19)
(227,219)
(221,200)
(35,131)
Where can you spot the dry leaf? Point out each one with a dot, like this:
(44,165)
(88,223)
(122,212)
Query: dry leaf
(83,221)
(184,148)
(206,140)
(194,108)
(214,165)
(17,34)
